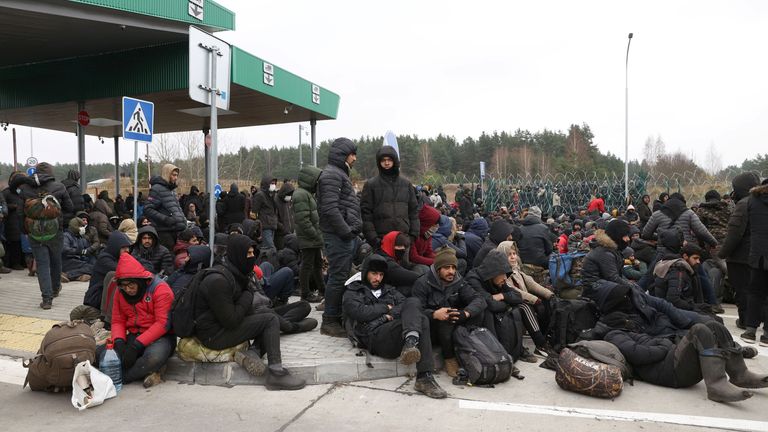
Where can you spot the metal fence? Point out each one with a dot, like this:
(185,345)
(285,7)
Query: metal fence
(569,192)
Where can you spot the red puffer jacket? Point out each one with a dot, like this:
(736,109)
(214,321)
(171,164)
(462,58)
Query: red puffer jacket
(150,317)
(421,250)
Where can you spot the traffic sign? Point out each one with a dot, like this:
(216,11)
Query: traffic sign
(31,161)
(83,118)
(217,190)
(31,171)
(200,84)
(138,119)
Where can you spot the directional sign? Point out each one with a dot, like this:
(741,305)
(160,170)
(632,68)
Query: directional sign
(31,171)
(200,68)
(31,161)
(217,190)
(138,119)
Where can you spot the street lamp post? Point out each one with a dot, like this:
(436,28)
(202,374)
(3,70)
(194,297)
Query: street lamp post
(626,124)
(301,156)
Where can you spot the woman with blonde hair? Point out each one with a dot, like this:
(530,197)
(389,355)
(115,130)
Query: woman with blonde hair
(535,307)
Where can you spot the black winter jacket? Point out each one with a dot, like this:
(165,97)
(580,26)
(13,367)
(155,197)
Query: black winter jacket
(758,228)
(388,201)
(162,207)
(263,204)
(480,277)
(674,213)
(500,230)
(71,183)
(603,262)
(15,217)
(106,262)
(337,202)
(735,248)
(652,358)
(234,206)
(285,209)
(155,259)
(221,304)
(677,283)
(536,243)
(458,295)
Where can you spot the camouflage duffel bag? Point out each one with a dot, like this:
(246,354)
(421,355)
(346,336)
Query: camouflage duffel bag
(588,377)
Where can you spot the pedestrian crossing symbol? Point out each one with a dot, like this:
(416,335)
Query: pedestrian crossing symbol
(138,119)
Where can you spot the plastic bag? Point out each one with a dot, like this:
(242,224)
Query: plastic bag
(90,387)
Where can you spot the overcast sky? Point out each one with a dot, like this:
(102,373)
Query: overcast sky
(698,73)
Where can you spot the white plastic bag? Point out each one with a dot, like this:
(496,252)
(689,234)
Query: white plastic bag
(90,386)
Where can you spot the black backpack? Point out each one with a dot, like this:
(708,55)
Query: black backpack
(569,319)
(509,328)
(183,309)
(482,356)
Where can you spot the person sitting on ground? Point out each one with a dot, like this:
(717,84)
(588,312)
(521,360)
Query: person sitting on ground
(187,238)
(292,316)
(676,280)
(224,317)
(448,300)
(421,249)
(536,305)
(388,324)
(605,262)
(277,284)
(151,254)
(99,218)
(536,242)
(128,227)
(140,314)
(474,237)
(400,273)
(633,268)
(446,236)
(77,254)
(106,262)
(500,231)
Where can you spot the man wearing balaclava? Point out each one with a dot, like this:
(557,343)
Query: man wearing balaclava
(224,316)
(163,208)
(264,206)
(605,262)
(389,200)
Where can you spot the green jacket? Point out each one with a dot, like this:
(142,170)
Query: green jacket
(305,213)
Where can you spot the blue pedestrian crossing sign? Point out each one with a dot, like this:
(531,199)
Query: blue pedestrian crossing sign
(217,190)
(138,119)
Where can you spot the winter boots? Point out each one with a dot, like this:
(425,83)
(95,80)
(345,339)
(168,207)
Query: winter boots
(282,380)
(740,376)
(713,367)
(410,353)
(427,385)
(251,362)
(332,327)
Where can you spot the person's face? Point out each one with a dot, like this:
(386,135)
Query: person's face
(145,222)
(174,177)
(250,253)
(692,260)
(192,207)
(375,278)
(625,238)
(194,241)
(646,199)
(387,162)
(124,249)
(635,236)
(576,228)
(85,222)
(512,257)
(665,198)
(351,159)
(147,240)
(129,287)
(499,279)
(447,273)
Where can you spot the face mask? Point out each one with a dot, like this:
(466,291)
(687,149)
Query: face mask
(273,188)
(399,253)
(18,191)
(82,231)
(287,199)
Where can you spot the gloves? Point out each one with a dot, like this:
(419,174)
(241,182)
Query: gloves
(459,317)
(132,352)
(348,236)
(119,347)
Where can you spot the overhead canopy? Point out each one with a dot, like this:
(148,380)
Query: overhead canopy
(61,52)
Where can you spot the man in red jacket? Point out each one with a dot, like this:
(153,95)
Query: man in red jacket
(140,322)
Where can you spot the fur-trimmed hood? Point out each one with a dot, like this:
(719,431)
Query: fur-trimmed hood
(602,239)
(760,192)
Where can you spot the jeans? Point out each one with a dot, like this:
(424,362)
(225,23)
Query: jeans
(706,285)
(267,239)
(340,253)
(387,339)
(151,360)
(277,284)
(311,271)
(48,258)
(648,278)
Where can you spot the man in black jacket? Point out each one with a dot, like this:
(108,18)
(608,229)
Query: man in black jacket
(155,257)
(676,280)
(72,183)
(340,221)
(224,316)
(234,206)
(163,208)
(47,253)
(448,300)
(106,262)
(500,231)
(758,263)
(389,201)
(605,261)
(536,242)
(264,206)
(388,324)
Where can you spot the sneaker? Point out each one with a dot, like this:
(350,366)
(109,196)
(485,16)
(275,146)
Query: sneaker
(748,336)
(313,297)
(333,328)
(283,380)
(410,353)
(321,306)
(429,387)
(251,362)
(46,304)
(451,367)
(739,325)
(764,341)
(717,309)
(153,379)
(4,269)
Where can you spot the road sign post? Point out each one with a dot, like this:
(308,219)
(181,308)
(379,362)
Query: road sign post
(138,124)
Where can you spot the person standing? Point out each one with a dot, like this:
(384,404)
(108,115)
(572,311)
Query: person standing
(389,201)
(283,205)
(309,235)
(263,204)
(47,253)
(341,222)
(757,212)
(14,257)
(72,183)
(163,208)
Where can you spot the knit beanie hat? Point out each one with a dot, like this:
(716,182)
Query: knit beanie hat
(742,183)
(712,195)
(616,230)
(445,257)
(628,252)
(535,211)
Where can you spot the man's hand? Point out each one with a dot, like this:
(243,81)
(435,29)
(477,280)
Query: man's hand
(441,314)
(459,316)
(498,297)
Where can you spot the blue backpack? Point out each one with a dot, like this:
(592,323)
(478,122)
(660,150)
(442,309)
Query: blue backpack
(565,273)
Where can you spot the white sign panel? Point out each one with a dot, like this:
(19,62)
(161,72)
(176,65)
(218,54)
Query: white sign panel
(200,68)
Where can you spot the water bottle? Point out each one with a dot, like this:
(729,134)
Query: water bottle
(111,366)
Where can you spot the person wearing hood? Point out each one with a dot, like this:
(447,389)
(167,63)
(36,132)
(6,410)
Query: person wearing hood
(676,280)
(309,236)
(119,206)
(340,222)
(234,206)
(47,253)
(198,257)
(421,250)
(77,254)
(500,231)
(631,215)
(536,242)
(448,300)
(155,257)
(735,248)
(633,268)
(224,316)
(128,227)
(445,236)
(388,324)
(140,314)
(388,201)
(400,272)
(194,197)
(14,255)
(284,205)
(660,201)
(99,218)
(106,262)
(72,184)
(187,239)
(605,262)
(644,210)
(474,237)
(264,205)
(757,303)
(162,206)
(466,206)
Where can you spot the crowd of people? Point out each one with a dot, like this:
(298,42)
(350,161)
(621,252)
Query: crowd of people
(397,268)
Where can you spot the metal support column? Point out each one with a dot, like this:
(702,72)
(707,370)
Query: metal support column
(313,129)
(81,150)
(117,166)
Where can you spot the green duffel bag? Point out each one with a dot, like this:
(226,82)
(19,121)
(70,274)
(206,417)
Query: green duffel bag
(190,349)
